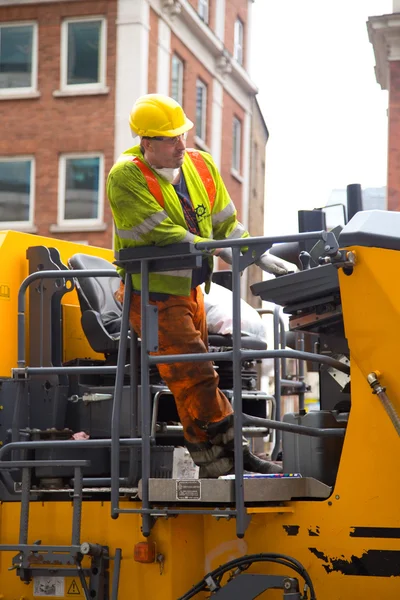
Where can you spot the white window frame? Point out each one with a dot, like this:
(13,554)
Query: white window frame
(23,225)
(79,223)
(202,136)
(203,10)
(101,84)
(21,91)
(181,70)
(238,41)
(237,148)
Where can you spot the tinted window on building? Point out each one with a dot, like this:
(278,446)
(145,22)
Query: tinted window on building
(201,109)
(237,144)
(16,48)
(203,10)
(84,52)
(81,188)
(238,41)
(15,190)
(177,79)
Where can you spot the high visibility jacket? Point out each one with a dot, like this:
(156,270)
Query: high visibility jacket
(147,211)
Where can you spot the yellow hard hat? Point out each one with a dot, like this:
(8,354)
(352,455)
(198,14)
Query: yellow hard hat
(157,115)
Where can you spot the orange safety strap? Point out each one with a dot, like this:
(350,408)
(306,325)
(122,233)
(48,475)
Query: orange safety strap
(201,168)
(205,175)
(151,180)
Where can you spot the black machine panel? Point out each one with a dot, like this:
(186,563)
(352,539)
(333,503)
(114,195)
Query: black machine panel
(299,287)
(312,299)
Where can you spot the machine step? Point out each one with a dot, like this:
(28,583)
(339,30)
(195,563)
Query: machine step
(216,491)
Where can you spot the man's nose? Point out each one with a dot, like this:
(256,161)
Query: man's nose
(181,144)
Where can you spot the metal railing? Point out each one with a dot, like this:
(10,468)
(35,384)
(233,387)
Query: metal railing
(145,260)
(281,380)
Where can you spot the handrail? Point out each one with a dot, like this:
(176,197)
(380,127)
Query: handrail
(237,355)
(67,275)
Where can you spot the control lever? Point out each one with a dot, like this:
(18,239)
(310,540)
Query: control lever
(305,259)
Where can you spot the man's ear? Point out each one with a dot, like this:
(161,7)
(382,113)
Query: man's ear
(146,144)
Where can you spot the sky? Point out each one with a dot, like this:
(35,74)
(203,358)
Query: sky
(326,114)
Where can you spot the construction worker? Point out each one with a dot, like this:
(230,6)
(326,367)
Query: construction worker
(161,193)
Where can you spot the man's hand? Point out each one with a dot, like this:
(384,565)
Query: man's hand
(267,262)
(225,254)
(271,264)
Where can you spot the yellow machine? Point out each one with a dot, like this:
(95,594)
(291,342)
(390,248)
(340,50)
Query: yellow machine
(332,534)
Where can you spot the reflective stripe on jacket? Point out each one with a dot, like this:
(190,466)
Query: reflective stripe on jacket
(147,210)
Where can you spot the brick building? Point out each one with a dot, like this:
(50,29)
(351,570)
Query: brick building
(69,73)
(384,34)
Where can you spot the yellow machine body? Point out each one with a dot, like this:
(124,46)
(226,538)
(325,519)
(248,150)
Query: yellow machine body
(349,543)
(13,270)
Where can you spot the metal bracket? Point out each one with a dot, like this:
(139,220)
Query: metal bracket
(331,244)
(19,373)
(248,587)
(151,323)
(45,562)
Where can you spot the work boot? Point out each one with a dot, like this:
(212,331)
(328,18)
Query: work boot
(216,457)
(211,459)
(255,464)
(222,433)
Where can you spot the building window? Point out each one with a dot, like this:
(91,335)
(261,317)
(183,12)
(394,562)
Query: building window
(238,41)
(237,144)
(18,57)
(177,79)
(83,54)
(203,9)
(80,194)
(16,192)
(201,109)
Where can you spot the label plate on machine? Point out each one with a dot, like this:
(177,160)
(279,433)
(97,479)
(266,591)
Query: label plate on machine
(189,489)
(49,587)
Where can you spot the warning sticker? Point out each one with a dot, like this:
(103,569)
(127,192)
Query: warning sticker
(74,589)
(49,586)
(188,489)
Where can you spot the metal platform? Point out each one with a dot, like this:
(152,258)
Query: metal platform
(216,491)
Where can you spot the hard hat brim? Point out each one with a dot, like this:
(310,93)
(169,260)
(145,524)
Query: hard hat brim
(170,133)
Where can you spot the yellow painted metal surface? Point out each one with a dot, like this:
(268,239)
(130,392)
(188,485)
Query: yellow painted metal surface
(194,545)
(13,270)
(348,543)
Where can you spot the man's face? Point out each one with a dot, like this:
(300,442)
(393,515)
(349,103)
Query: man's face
(165,152)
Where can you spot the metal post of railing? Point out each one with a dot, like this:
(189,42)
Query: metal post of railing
(301,372)
(118,391)
(277,383)
(237,397)
(41,321)
(145,397)
(282,336)
(117,569)
(24,515)
(77,507)
(133,396)
(16,418)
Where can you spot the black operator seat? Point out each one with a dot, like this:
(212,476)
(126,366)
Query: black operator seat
(101,312)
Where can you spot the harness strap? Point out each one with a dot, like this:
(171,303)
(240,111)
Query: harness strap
(201,167)
(151,179)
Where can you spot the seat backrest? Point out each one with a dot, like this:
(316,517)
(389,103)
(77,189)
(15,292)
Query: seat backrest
(96,293)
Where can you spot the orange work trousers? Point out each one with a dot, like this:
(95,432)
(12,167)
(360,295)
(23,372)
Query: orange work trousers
(182,329)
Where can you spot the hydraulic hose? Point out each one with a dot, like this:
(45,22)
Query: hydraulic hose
(245,562)
(380,391)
